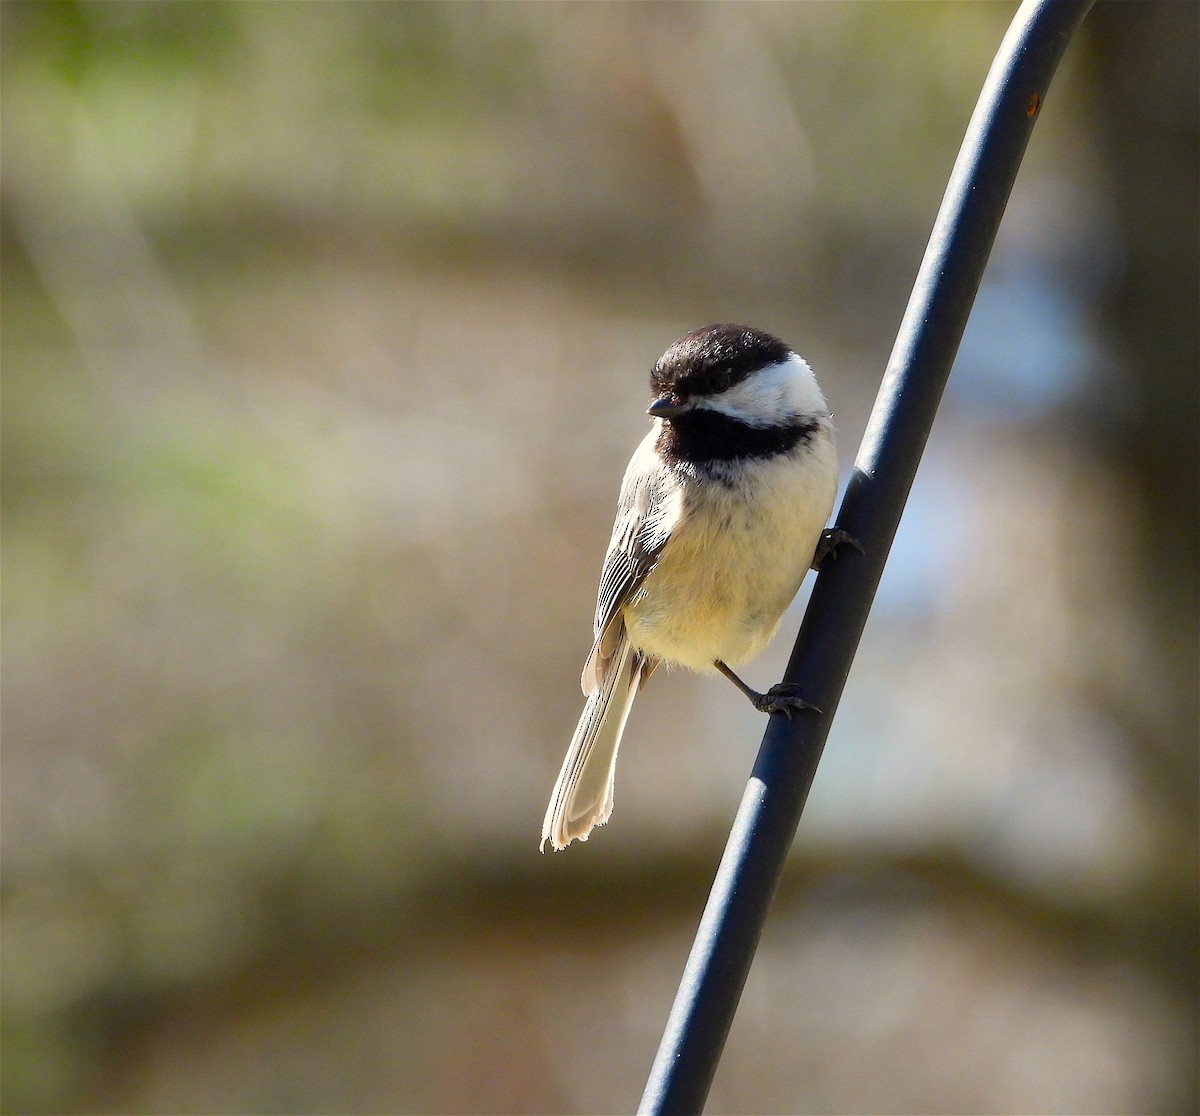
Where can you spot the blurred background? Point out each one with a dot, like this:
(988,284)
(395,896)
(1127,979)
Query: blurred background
(326,336)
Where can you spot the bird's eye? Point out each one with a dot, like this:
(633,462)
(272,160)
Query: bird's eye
(718,381)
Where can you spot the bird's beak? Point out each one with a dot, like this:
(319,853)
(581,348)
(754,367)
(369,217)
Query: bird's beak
(664,407)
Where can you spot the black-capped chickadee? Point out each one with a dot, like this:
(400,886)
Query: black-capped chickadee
(720,516)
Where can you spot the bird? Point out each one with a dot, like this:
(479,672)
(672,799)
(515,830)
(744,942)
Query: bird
(722,511)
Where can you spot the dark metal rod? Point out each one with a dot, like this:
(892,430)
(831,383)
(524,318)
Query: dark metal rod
(945,289)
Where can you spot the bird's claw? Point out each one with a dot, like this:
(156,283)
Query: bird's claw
(782,699)
(831,538)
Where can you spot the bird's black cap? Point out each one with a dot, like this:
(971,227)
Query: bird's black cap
(712,358)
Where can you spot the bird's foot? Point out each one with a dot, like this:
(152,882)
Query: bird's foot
(778,699)
(782,699)
(831,538)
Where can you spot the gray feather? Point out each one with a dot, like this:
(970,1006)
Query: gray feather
(583,794)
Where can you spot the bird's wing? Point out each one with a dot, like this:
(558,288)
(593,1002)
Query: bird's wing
(647,510)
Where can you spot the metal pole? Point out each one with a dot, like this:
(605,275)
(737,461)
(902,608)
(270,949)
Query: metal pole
(945,289)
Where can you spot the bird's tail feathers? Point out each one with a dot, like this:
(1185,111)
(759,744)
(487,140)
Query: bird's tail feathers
(583,795)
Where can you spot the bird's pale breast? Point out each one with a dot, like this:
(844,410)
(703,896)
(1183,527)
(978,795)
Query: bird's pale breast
(734,561)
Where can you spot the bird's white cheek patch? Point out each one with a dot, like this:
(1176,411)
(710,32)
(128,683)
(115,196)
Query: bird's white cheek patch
(772,397)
